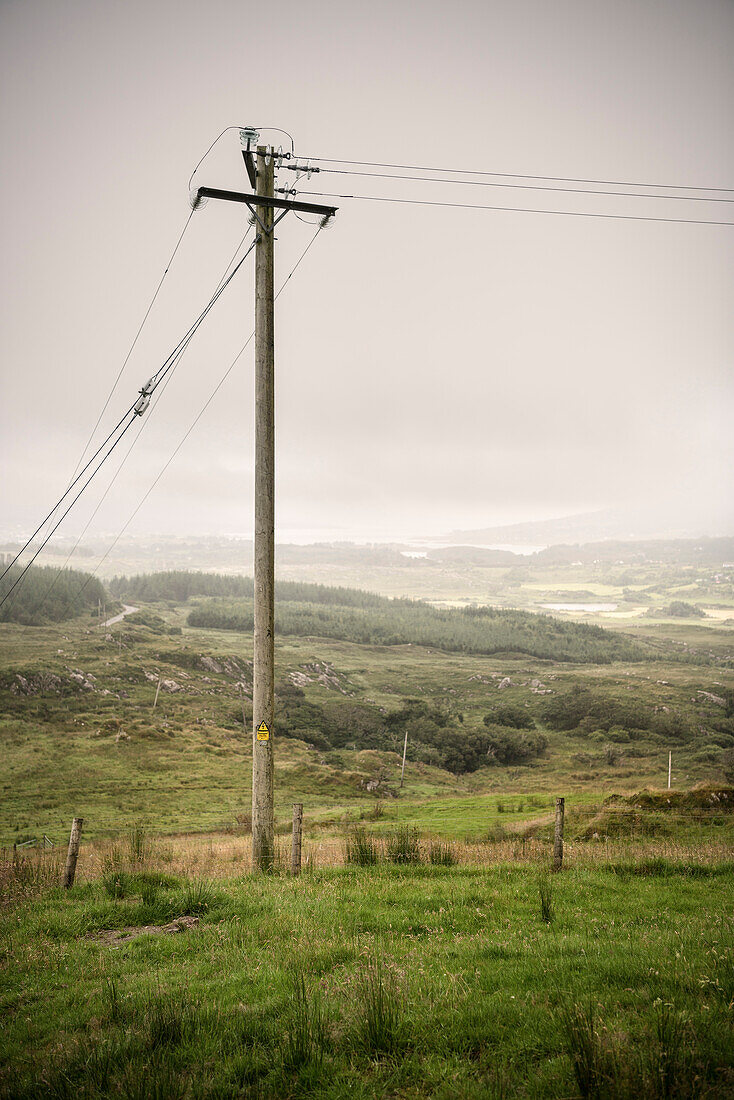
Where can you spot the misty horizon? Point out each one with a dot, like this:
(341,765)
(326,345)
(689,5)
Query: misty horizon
(438,369)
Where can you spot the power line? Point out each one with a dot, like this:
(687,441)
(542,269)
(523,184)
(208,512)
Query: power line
(155,380)
(58,523)
(66,493)
(521,209)
(520,175)
(168,366)
(137,336)
(127,357)
(198,416)
(179,356)
(521,186)
(206,154)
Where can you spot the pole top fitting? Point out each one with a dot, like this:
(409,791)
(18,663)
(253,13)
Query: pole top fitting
(249,136)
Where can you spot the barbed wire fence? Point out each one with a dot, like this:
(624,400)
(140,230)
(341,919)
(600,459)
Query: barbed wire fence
(515,829)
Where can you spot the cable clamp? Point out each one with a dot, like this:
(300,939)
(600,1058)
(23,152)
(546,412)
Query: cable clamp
(307,168)
(144,400)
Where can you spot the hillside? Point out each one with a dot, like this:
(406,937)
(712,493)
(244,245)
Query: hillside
(81,732)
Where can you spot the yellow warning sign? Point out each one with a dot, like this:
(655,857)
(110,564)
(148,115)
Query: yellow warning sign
(263,732)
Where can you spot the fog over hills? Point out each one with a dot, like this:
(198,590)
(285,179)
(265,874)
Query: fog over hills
(653,522)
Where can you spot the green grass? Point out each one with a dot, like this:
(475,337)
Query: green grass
(613,979)
(388,981)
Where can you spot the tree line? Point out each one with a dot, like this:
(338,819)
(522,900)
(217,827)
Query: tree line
(179,586)
(374,620)
(46,595)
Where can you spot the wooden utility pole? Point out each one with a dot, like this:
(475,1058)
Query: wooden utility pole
(73,853)
(263,646)
(297,831)
(263,206)
(558,837)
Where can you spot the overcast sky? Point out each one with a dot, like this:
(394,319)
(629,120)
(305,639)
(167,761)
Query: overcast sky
(437,368)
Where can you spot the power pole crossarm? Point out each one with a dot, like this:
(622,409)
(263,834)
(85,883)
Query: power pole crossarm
(259,199)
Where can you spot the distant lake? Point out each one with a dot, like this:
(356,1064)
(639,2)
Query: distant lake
(579,606)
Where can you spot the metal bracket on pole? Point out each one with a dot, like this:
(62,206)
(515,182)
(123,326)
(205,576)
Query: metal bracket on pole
(250,166)
(264,228)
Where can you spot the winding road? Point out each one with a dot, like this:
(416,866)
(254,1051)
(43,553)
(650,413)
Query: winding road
(126,610)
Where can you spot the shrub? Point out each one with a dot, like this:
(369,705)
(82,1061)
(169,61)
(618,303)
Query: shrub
(727,763)
(589,710)
(117,884)
(507,715)
(306,1035)
(23,877)
(147,618)
(709,754)
(170,1019)
(402,846)
(139,847)
(612,755)
(593,1067)
(680,609)
(361,849)
(441,854)
(198,898)
(511,746)
(381,1025)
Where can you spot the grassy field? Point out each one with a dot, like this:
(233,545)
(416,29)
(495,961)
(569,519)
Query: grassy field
(393,981)
(451,964)
(83,736)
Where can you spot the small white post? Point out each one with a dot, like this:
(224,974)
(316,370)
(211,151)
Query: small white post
(157,690)
(670,767)
(405,749)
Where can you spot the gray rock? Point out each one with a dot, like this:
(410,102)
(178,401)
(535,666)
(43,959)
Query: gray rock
(718,700)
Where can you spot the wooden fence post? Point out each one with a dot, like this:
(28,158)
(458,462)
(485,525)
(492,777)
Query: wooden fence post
(558,837)
(296,846)
(73,853)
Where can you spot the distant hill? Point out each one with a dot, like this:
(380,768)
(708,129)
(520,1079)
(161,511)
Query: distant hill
(655,522)
(703,551)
